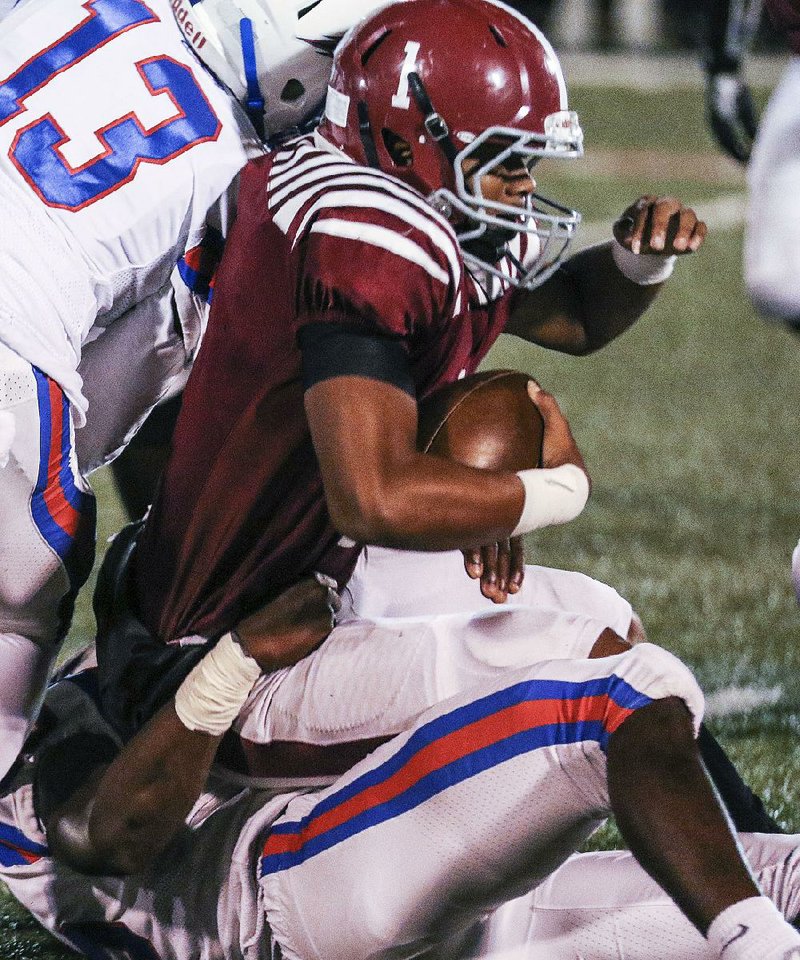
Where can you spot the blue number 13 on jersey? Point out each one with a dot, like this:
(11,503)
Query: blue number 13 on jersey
(36,148)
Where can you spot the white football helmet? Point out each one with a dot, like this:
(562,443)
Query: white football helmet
(275,56)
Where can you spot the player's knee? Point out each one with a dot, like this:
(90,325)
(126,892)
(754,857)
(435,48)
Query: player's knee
(657,674)
(30,606)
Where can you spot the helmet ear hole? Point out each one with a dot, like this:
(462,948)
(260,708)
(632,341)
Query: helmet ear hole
(398,148)
(293,90)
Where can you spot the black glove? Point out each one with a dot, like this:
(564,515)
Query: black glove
(730,112)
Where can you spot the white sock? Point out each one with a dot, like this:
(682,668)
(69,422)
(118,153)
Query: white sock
(753,929)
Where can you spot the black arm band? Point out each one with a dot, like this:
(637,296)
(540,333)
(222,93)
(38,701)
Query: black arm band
(331,350)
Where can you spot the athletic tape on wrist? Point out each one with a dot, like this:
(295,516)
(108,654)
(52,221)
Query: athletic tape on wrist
(213,693)
(751,929)
(645,269)
(554,495)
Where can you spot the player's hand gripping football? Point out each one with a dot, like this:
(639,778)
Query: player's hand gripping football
(558,444)
(501,566)
(292,625)
(660,225)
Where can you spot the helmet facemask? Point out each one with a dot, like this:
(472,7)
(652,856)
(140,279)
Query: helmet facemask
(485,227)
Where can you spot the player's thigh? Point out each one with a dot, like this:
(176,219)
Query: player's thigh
(398,583)
(46,509)
(371,678)
(484,796)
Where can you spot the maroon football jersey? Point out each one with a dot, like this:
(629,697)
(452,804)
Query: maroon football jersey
(785,15)
(241,511)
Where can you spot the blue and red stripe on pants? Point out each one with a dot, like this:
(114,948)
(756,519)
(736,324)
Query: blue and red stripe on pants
(17,850)
(64,515)
(454,747)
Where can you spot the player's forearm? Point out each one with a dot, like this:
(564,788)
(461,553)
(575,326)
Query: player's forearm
(610,302)
(145,796)
(380,489)
(587,304)
(427,503)
(121,819)
(149,789)
(124,813)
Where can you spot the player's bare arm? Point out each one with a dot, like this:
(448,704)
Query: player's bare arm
(500,566)
(125,812)
(597,294)
(380,489)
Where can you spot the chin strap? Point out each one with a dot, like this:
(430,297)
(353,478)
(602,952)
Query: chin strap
(433,121)
(254,105)
(434,124)
(491,246)
(367,139)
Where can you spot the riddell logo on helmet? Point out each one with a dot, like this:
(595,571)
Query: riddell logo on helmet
(182,13)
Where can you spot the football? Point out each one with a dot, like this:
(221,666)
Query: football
(486,421)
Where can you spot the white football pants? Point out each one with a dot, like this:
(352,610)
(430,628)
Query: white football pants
(484,796)
(47,509)
(373,677)
(47,516)
(603,906)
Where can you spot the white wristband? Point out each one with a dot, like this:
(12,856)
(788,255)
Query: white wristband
(642,268)
(554,495)
(211,696)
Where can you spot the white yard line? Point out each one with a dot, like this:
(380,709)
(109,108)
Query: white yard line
(730,700)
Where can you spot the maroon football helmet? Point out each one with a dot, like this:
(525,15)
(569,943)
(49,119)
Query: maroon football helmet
(422,85)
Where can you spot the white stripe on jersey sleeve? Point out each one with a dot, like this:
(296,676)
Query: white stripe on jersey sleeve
(292,153)
(305,175)
(377,184)
(286,171)
(385,239)
(371,200)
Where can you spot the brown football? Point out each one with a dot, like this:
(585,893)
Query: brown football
(486,421)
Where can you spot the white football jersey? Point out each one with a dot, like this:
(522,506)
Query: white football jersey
(160,914)
(115,147)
